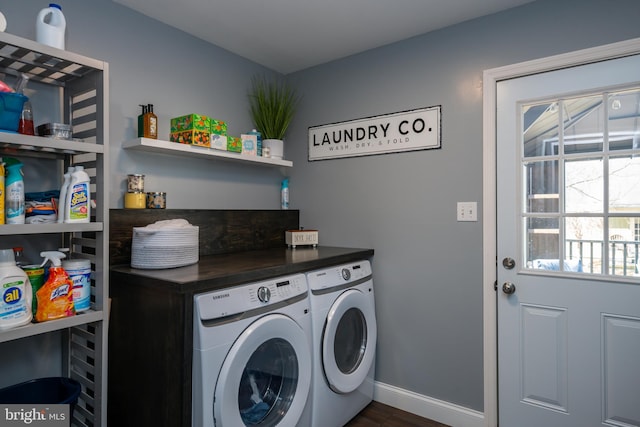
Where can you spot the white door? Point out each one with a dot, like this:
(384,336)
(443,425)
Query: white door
(568,238)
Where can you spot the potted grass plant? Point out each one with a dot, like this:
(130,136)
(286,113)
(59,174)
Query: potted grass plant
(272,105)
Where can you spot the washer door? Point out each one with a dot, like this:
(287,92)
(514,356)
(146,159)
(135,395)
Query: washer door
(265,378)
(349,341)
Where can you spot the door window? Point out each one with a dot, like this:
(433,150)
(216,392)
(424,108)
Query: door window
(268,383)
(581,183)
(350,341)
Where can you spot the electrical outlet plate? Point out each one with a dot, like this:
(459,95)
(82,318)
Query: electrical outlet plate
(467,211)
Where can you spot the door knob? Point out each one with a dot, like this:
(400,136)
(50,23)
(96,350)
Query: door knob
(508,288)
(508,263)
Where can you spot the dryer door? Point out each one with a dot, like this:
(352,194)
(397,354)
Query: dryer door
(265,378)
(349,341)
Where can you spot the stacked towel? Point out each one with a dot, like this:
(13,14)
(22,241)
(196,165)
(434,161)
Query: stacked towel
(41,207)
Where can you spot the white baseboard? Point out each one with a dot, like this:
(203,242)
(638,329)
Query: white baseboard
(427,407)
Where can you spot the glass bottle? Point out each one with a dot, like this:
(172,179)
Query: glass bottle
(25,125)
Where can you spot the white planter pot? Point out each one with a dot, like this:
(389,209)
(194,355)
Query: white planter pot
(276,147)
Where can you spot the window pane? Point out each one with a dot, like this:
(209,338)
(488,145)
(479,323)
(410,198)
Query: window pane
(583,125)
(623,246)
(624,184)
(584,242)
(540,129)
(584,185)
(541,180)
(624,126)
(542,240)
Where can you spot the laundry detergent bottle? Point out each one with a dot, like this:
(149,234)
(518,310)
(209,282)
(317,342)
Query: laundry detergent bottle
(55,297)
(51,26)
(77,207)
(63,194)
(15,307)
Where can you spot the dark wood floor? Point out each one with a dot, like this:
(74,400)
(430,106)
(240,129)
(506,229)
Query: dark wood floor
(380,415)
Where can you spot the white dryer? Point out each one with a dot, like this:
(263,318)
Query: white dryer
(344,336)
(252,355)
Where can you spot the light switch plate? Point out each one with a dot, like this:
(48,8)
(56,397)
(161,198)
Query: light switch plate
(467,211)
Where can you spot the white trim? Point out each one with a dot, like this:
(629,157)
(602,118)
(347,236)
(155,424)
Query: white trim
(427,407)
(490,80)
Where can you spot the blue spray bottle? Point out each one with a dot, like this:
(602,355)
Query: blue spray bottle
(14,192)
(284,194)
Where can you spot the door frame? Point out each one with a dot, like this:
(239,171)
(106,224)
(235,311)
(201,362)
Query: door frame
(490,79)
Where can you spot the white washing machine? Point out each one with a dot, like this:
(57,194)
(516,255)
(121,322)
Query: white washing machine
(252,355)
(344,335)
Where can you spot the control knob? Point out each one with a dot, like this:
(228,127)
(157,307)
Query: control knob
(264,294)
(346,274)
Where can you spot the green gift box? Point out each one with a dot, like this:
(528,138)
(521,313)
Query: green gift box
(234,144)
(218,127)
(191,122)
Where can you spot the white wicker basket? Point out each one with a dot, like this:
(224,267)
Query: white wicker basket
(164,244)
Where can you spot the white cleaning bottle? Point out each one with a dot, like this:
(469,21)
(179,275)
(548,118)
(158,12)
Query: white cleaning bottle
(63,193)
(51,26)
(77,207)
(15,288)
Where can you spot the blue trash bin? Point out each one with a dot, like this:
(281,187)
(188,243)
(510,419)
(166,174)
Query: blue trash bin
(43,391)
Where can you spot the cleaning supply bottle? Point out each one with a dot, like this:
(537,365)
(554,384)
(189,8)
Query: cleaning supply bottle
(79,270)
(62,199)
(284,194)
(19,257)
(147,123)
(15,306)
(51,26)
(55,297)
(14,192)
(77,207)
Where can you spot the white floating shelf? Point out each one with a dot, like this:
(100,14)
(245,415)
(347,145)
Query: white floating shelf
(177,149)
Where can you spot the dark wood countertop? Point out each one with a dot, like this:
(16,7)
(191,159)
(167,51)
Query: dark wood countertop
(226,270)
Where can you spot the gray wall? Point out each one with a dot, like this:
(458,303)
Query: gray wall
(427,267)
(151,63)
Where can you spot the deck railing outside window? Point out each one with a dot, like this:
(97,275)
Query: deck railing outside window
(623,256)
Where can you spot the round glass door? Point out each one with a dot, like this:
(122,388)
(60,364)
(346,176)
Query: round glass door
(268,383)
(266,376)
(349,341)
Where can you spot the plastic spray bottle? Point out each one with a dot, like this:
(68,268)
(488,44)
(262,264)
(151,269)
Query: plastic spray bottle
(55,297)
(284,194)
(77,207)
(14,192)
(15,288)
(63,194)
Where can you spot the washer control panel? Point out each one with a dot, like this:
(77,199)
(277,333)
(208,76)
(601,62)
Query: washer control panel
(230,301)
(339,275)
